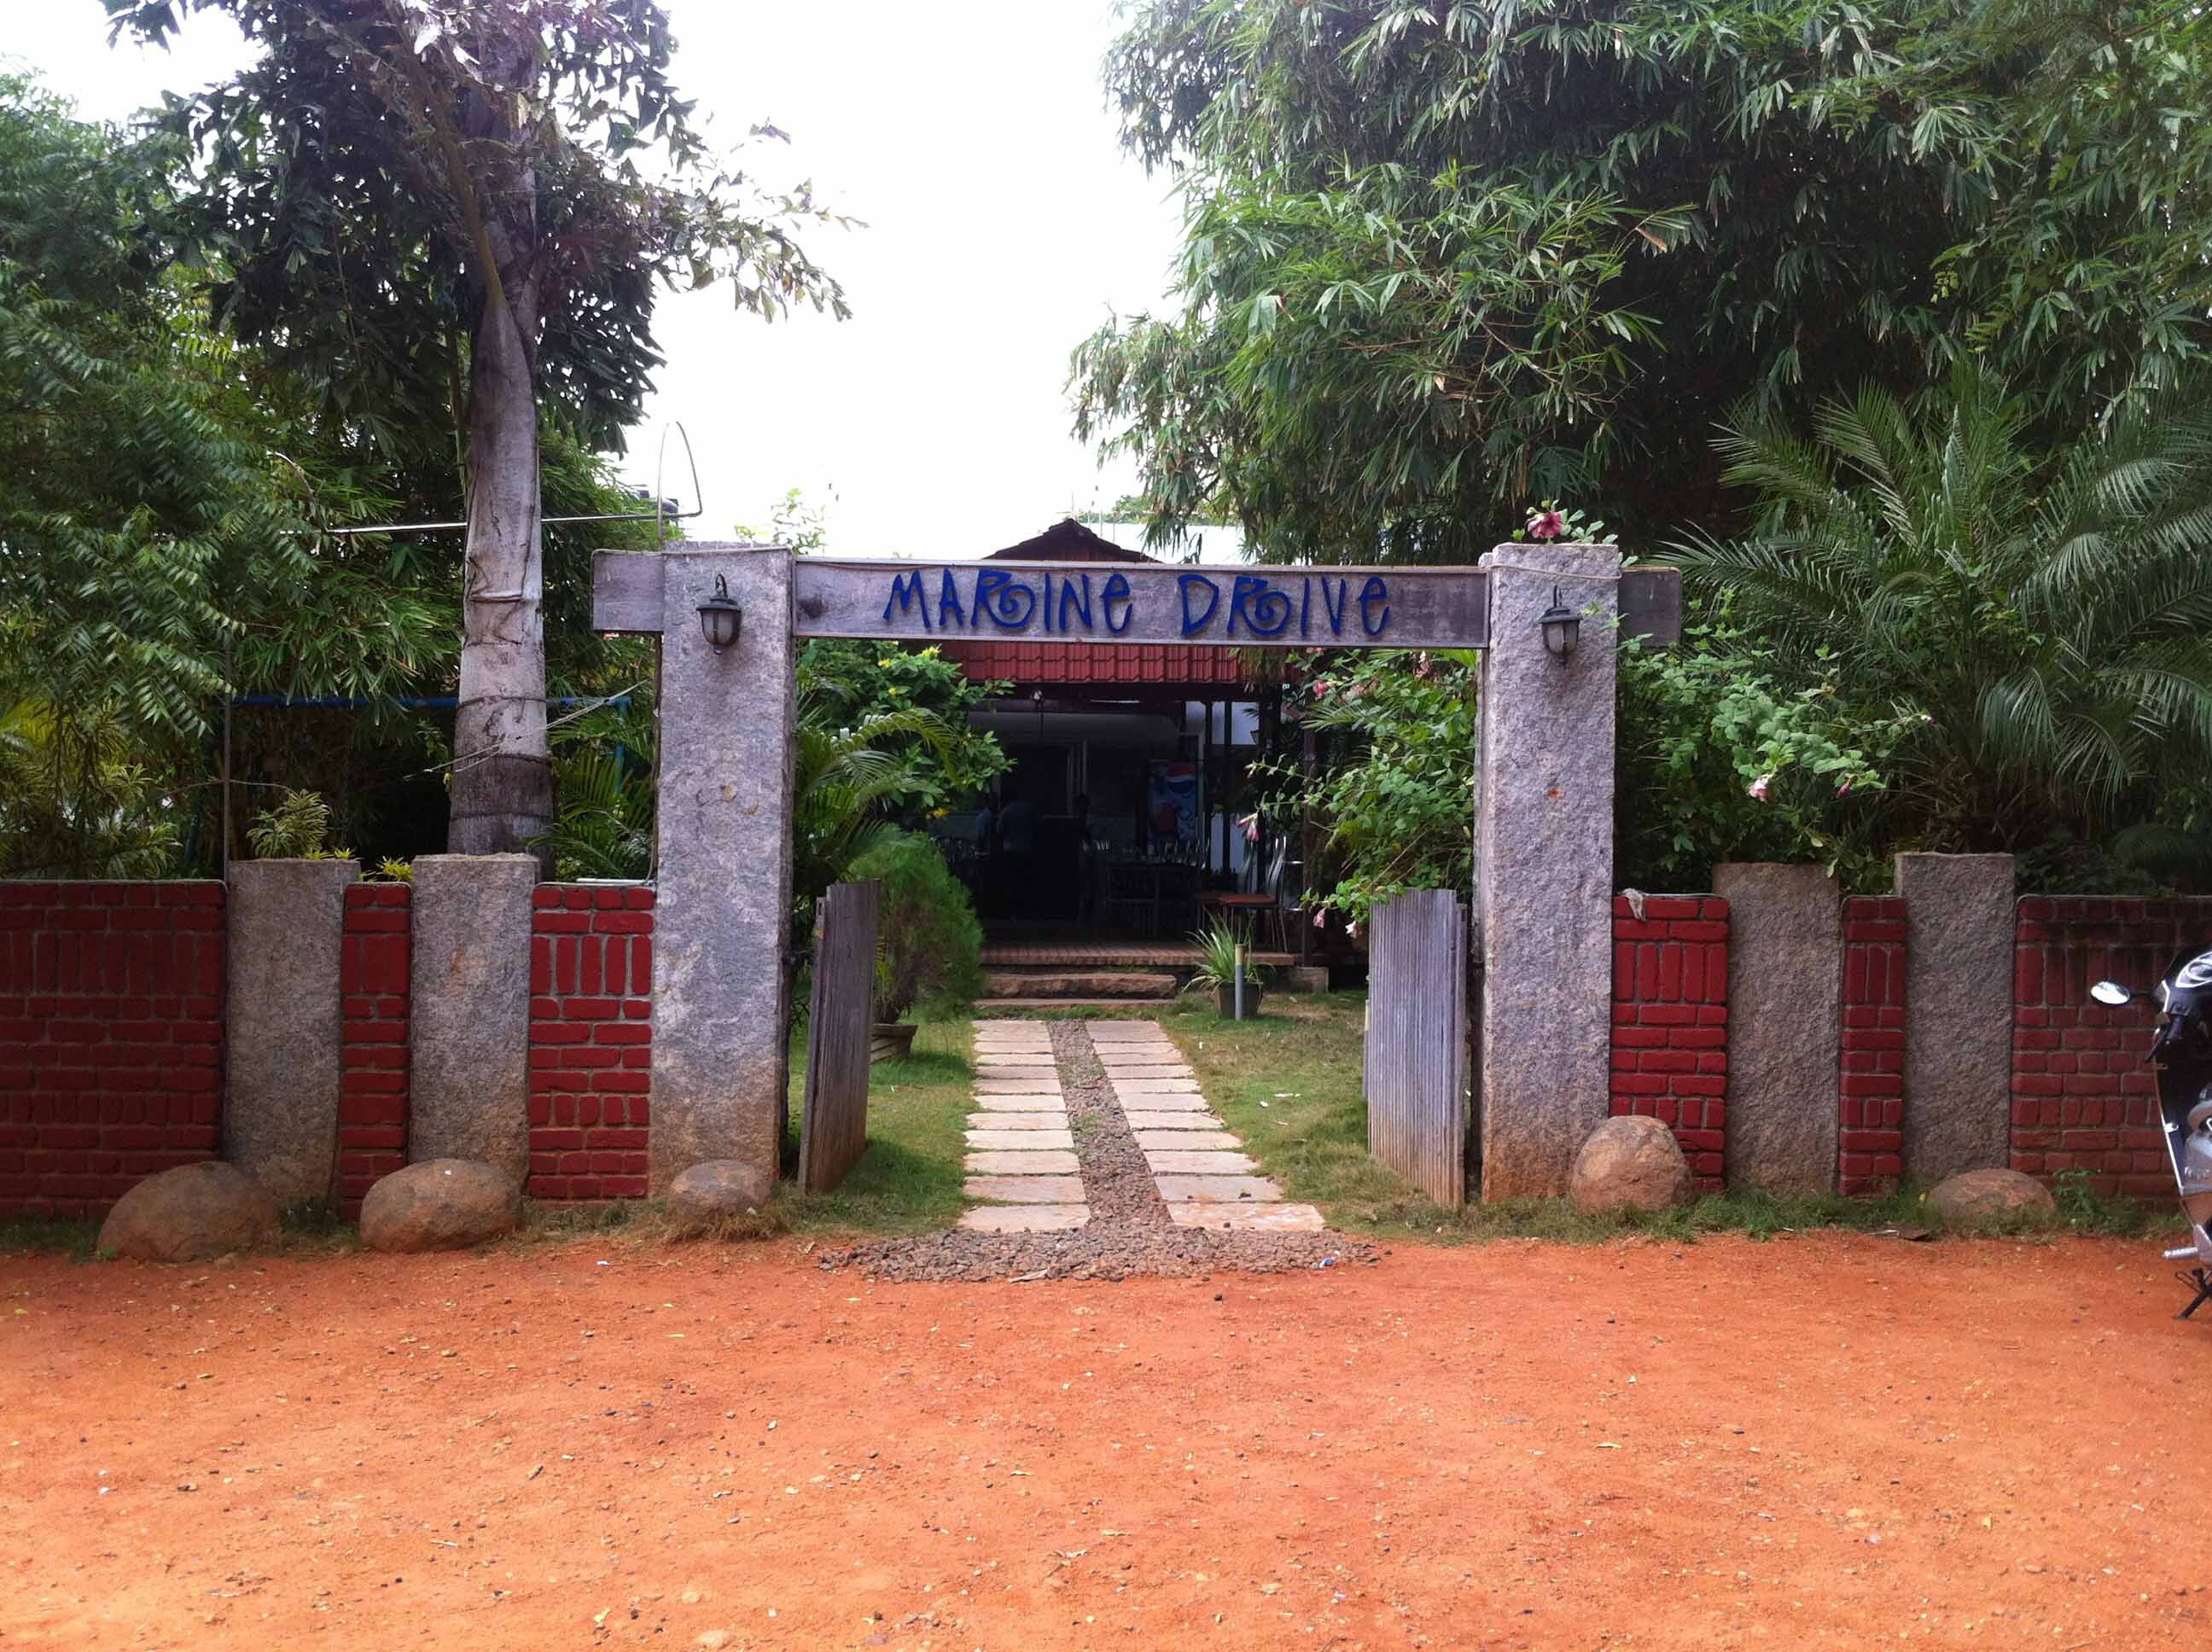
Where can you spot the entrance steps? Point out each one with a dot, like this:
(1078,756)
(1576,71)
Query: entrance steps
(1049,984)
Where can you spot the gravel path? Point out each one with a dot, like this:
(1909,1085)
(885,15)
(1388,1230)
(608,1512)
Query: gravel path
(1117,1183)
(1130,1234)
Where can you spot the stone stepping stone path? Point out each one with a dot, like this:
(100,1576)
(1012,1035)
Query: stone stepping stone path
(1200,1175)
(1021,1160)
(1026,1175)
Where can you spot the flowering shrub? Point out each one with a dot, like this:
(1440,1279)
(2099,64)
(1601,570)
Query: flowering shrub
(1720,763)
(1392,799)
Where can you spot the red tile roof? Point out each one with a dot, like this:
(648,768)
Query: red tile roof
(1032,665)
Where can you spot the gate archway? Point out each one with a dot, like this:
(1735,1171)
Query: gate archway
(1543,829)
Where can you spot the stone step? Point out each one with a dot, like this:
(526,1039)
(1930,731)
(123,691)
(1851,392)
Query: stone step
(1176,1138)
(1024,1190)
(1248,1219)
(1107,1031)
(1021,1100)
(1024,1141)
(1017,1121)
(1172,1160)
(1058,1162)
(1182,1101)
(1035,1218)
(1109,984)
(1194,1122)
(1218,1190)
(1082,1002)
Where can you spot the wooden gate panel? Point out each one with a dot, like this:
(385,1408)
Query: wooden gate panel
(1416,1054)
(833,1130)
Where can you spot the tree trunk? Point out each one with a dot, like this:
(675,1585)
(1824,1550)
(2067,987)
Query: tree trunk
(502,778)
(502,784)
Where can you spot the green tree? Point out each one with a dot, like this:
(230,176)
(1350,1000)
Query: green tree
(1444,258)
(944,760)
(443,214)
(158,542)
(2040,619)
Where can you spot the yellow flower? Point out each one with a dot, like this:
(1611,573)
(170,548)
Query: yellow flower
(882,662)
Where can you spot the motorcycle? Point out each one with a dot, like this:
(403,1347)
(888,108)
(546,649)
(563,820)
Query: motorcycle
(2181,1049)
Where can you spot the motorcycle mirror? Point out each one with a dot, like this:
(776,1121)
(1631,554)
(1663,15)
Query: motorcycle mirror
(2110,991)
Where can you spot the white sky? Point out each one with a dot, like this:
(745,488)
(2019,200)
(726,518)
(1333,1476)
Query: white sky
(1004,225)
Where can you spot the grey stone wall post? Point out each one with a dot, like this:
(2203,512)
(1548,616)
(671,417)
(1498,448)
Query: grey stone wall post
(1958,1012)
(1544,866)
(1785,1025)
(286,1032)
(468,1056)
(722,917)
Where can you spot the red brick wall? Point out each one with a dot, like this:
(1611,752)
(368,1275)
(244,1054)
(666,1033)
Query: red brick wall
(591,1042)
(2082,1097)
(375,958)
(110,1039)
(1670,1022)
(1870,1124)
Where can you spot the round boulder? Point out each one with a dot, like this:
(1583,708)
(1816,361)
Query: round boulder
(190,1214)
(1630,1164)
(1976,1198)
(719,1189)
(441,1204)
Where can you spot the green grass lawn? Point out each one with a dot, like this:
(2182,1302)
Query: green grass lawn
(909,1180)
(1289,1084)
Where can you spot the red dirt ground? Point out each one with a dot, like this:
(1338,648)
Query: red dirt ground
(1828,1441)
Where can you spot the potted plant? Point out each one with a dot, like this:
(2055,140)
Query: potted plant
(929,947)
(1220,950)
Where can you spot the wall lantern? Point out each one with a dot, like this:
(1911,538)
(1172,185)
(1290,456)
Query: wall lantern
(721,619)
(1562,627)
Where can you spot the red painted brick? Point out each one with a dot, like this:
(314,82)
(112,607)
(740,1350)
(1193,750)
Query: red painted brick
(591,1037)
(1670,1022)
(111,1006)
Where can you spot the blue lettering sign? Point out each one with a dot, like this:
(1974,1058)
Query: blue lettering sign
(1082,605)
(907,592)
(1373,591)
(1335,607)
(1266,613)
(1183,585)
(1117,590)
(948,602)
(1006,602)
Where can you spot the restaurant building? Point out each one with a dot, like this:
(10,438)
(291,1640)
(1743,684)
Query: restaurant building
(1129,793)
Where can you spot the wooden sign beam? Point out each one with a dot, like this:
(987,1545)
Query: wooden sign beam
(1250,607)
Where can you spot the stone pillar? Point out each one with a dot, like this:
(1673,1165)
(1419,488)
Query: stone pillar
(1785,1021)
(1543,847)
(723,914)
(1958,1016)
(468,1056)
(286,1043)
